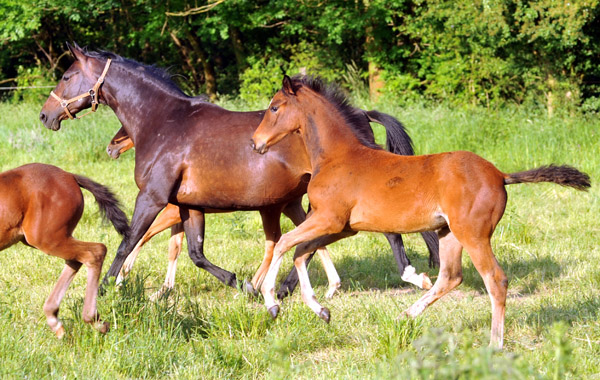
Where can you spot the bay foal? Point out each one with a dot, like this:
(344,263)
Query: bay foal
(357,187)
(40,206)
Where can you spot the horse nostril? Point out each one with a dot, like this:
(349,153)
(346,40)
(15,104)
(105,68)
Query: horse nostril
(43,117)
(252,144)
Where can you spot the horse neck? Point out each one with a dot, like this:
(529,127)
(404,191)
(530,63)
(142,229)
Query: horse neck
(328,136)
(135,101)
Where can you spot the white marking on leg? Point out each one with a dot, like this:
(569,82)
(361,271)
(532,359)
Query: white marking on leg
(410,275)
(332,276)
(308,294)
(268,286)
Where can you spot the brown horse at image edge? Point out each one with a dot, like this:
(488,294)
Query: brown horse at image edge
(358,187)
(40,206)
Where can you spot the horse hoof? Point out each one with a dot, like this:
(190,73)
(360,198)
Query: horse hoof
(248,288)
(282,293)
(102,327)
(273,311)
(60,332)
(324,314)
(427,284)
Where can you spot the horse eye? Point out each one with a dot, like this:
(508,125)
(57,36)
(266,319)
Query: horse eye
(274,109)
(66,78)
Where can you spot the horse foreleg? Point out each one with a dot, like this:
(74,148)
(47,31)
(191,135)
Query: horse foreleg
(167,218)
(193,224)
(175,244)
(272,229)
(146,209)
(314,233)
(296,213)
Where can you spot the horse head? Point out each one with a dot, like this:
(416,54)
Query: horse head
(78,89)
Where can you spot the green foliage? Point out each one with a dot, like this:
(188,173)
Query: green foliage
(481,53)
(439,355)
(261,81)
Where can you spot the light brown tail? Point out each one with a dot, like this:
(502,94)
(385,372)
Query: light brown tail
(563,175)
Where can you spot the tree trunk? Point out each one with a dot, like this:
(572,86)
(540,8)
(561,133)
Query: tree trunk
(185,52)
(376,82)
(209,72)
(238,48)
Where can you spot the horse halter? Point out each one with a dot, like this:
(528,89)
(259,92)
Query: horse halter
(93,93)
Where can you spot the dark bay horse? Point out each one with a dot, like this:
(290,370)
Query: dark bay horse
(121,143)
(40,205)
(356,186)
(189,152)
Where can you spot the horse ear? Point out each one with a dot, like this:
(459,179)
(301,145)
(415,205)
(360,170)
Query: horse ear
(288,87)
(77,52)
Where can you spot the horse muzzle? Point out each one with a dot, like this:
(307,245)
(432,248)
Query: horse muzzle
(260,148)
(53,124)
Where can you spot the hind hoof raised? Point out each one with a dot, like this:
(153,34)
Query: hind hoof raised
(274,311)
(325,315)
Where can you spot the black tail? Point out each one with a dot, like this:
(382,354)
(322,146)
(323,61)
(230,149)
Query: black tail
(108,204)
(397,139)
(563,175)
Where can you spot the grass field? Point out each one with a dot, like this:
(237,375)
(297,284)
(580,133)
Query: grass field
(547,243)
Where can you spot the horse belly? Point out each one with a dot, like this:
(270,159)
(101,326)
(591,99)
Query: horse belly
(394,214)
(238,192)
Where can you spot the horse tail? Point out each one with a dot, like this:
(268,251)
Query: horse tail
(397,139)
(107,202)
(563,175)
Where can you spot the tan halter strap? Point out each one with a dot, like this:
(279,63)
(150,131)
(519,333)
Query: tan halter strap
(93,93)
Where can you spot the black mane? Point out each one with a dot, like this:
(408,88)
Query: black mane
(355,118)
(160,75)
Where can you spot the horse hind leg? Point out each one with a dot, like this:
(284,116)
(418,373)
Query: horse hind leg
(333,278)
(450,275)
(407,271)
(75,253)
(496,284)
(97,253)
(52,304)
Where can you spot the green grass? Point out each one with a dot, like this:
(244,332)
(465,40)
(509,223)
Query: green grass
(547,243)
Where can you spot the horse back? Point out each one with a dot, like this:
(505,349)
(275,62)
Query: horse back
(391,193)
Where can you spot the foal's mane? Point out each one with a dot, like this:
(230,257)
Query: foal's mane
(355,118)
(150,72)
